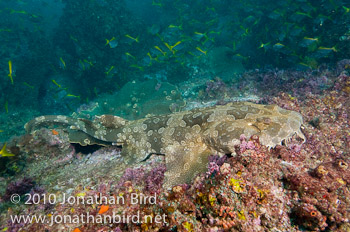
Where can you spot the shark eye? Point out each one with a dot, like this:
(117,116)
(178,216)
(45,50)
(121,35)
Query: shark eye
(267,120)
(264,120)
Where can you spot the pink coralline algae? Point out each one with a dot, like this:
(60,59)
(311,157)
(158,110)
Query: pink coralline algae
(19,187)
(151,180)
(246,145)
(296,186)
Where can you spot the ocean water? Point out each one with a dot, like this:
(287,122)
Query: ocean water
(68,53)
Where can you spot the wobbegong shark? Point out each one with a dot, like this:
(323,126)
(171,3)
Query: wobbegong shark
(187,138)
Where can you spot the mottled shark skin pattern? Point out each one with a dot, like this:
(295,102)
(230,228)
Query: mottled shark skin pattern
(185,138)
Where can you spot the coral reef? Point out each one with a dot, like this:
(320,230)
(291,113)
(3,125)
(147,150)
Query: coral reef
(20,187)
(295,186)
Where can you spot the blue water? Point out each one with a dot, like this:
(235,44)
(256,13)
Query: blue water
(65,54)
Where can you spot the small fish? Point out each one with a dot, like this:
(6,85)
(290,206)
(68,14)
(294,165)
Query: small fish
(298,16)
(265,46)
(346,10)
(199,49)
(198,36)
(215,32)
(178,45)
(240,57)
(245,30)
(72,96)
(308,41)
(303,14)
(278,46)
(103,209)
(81,65)
(172,26)
(111,71)
(147,60)
(275,15)
(28,85)
(211,22)
(7,107)
(4,153)
(328,49)
(132,38)
(322,52)
(113,43)
(62,63)
(151,58)
(55,82)
(172,47)
(1,131)
(137,66)
(85,64)
(54,132)
(129,55)
(10,71)
(76,230)
(159,49)
(302,66)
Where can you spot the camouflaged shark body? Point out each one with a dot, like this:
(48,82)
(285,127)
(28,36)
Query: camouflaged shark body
(185,138)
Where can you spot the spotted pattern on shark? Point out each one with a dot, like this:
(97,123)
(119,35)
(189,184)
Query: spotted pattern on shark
(185,138)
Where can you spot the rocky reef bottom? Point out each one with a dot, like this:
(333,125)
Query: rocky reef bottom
(292,187)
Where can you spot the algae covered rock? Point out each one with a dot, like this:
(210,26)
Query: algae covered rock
(137,99)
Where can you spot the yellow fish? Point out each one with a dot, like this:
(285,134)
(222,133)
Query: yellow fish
(328,49)
(7,107)
(171,47)
(112,42)
(4,153)
(151,58)
(199,49)
(109,70)
(262,45)
(135,39)
(62,63)
(28,85)
(129,55)
(137,66)
(58,85)
(10,71)
(71,95)
(175,26)
(159,49)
